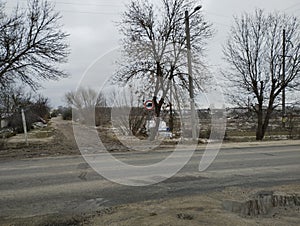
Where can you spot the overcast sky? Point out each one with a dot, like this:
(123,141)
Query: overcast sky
(91,25)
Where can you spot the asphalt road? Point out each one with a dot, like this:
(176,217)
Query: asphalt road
(67,185)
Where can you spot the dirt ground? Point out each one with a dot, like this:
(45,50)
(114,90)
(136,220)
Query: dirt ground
(197,210)
(200,210)
(60,141)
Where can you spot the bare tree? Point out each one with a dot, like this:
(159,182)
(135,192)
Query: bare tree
(84,101)
(32,44)
(128,115)
(13,99)
(254,52)
(85,98)
(155,47)
(41,107)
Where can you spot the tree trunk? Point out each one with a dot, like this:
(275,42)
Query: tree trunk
(154,130)
(157,109)
(171,120)
(263,122)
(259,130)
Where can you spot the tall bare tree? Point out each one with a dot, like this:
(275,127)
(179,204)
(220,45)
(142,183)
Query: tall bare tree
(13,99)
(84,102)
(32,44)
(155,47)
(254,52)
(85,98)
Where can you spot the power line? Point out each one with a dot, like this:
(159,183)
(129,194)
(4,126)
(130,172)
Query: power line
(218,15)
(79,4)
(215,14)
(292,6)
(88,12)
(221,24)
(85,4)
(75,11)
(71,10)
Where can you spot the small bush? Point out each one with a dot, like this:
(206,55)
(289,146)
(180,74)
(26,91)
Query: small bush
(67,114)
(54,114)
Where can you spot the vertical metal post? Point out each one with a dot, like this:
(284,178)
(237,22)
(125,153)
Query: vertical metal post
(190,72)
(24,126)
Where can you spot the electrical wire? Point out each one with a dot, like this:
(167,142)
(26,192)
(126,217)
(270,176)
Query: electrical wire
(76,12)
(292,6)
(76,3)
(88,12)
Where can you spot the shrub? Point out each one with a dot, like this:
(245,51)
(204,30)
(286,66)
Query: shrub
(67,114)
